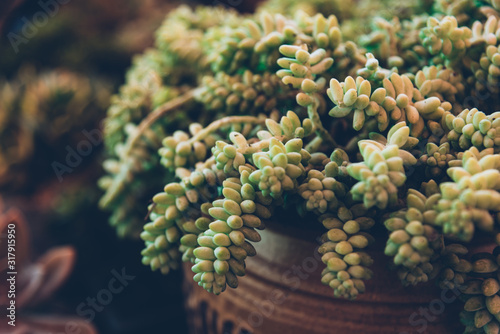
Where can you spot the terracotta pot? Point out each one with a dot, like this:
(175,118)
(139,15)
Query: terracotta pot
(282,293)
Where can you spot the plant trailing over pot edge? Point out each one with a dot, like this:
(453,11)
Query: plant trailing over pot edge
(369,134)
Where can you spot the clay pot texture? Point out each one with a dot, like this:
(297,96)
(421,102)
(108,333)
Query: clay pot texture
(282,293)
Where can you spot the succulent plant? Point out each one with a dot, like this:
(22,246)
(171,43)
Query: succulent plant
(371,133)
(413,238)
(45,110)
(346,262)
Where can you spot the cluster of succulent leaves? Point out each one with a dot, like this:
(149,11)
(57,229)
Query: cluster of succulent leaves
(392,131)
(47,110)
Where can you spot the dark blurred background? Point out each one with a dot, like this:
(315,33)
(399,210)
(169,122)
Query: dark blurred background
(87,35)
(92,38)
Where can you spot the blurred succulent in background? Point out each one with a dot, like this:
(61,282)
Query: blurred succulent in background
(305,106)
(94,36)
(17,142)
(61,102)
(45,111)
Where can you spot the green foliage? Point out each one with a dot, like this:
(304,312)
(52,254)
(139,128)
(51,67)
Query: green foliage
(437,159)
(380,174)
(445,39)
(254,45)
(247,94)
(451,268)
(234,114)
(224,246)
(321,192)
(473,128)
(342,251)
(173,230)
(470,198)
(413,237)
